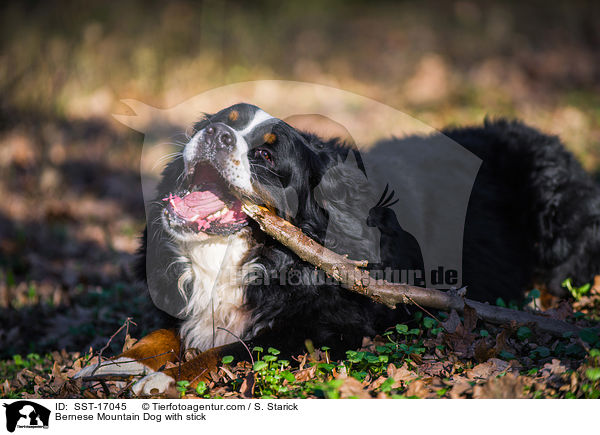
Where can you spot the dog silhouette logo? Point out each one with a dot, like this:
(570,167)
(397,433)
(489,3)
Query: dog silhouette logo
(431,175)
(26,414)
(347,196)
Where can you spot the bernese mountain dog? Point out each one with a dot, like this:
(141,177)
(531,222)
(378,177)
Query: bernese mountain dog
(533,217)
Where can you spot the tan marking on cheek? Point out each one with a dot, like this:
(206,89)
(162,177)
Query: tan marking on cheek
(233,115)
(236,162)
(269,138)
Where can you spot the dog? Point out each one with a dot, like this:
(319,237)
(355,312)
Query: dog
(533,217)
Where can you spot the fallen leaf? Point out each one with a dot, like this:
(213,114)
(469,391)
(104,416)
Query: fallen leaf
(491,367)
(417,388)
(377,383)
(452,322)
(484,350)
(400,375)
(562,312)
(305,374)
(247,388)
(353,388)
(459,388)
(340,373)
(437,368)
(502,340)
(506,387)
(470,318)
(128,343)
(555,368)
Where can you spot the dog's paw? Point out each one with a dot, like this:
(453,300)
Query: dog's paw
(152,384)
(119,366)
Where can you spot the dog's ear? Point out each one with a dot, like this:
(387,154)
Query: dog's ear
(343,182)
(289,199)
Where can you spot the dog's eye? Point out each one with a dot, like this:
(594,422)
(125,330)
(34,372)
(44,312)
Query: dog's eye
(264,154)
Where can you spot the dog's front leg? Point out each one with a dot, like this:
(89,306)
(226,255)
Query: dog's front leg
(194,371)
(147,356)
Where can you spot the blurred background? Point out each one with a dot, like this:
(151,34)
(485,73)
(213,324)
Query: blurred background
(72,207)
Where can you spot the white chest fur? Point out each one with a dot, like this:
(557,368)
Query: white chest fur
(215,277)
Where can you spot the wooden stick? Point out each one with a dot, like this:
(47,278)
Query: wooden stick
(352,277)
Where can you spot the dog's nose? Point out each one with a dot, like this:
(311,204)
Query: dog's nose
(220,136)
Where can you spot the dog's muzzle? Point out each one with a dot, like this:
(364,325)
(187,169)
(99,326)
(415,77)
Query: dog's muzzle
(220,137)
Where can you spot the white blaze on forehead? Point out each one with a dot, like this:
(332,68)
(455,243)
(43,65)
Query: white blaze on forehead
(240,174)
(260,116)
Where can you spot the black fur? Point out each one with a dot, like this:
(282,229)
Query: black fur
(533,218)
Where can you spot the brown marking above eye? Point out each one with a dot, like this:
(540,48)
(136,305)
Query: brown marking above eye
(233,115)
(269,138)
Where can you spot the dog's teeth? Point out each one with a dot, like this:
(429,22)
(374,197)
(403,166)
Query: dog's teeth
(223,211)
(217,214)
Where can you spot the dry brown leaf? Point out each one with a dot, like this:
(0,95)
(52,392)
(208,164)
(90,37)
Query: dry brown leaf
(377,383)
(128,343)
(491,367)
(367,380)
(247,388)
(452,322)
(435,368)
(89,395)
(305,374)
(75,368)
(5,387)
(302,359)
(502,340)
(58,377)
(353,388)
(70,389)
(506,387)
(215,375)
(562,312)
(470,318)
(554,368)
(22,377)
(228,373)
(460,388)
(483,350)
(400,375)
(417,388)
(341,374)
(460,338)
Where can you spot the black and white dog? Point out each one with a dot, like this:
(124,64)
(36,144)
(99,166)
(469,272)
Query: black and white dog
(533,217)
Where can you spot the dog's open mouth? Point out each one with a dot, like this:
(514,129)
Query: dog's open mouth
(206,206)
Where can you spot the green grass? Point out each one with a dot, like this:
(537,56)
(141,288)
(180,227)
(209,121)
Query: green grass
(33,362)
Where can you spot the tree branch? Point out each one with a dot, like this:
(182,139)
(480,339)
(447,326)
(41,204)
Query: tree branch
(352,277)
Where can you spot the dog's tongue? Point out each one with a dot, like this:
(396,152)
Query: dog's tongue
(195,205)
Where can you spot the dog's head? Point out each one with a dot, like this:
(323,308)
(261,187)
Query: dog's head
(238,154)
